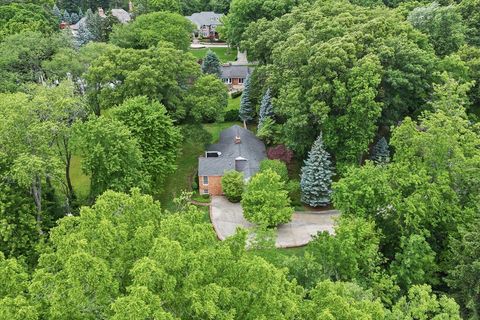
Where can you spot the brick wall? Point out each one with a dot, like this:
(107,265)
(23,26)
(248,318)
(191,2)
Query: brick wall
(214,185)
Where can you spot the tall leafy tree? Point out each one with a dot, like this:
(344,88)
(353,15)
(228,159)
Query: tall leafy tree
(110,155)
(146,6)
(27,150)
(22,17)
(316,178)
(148,30)
(265,201)
(464,269)
(163,74)
(157,136)
(246,111)
(443,25)
(211,64)
(415,263)
(207,99)
(22,55)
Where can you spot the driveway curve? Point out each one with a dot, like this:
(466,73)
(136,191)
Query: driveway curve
(226,217)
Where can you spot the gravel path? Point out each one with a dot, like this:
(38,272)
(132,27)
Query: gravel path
(226,217)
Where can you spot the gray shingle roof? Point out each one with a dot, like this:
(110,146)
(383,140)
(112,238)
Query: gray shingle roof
(244,156)
(122,15)
(207,18)
(235,71)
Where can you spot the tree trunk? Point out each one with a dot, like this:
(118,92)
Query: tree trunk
(37,198)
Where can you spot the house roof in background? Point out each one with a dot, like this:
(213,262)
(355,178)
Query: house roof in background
(244,156)
(122,15)
(235,71)
(206,18)
(77,25)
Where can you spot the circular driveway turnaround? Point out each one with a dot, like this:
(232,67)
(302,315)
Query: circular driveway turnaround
(226,217)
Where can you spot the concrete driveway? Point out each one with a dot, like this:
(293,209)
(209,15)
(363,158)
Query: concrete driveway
(226,217)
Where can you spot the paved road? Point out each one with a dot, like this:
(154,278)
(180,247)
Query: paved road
(227,217)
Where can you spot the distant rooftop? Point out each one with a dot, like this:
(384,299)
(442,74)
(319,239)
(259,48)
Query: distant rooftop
(235,71)
(239,150)
(206,18)
(122,15)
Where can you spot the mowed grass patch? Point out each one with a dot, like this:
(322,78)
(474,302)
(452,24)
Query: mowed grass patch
(80,181)
(224,54)
(233,104)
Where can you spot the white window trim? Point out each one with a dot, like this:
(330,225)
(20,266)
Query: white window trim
(203,181)
(205,191)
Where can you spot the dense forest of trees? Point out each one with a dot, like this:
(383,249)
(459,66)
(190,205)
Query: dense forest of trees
(379,100)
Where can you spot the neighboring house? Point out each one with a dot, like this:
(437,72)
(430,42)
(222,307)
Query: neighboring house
(207,23)
(235,75)
(74,27)
(238,149)
(122,15)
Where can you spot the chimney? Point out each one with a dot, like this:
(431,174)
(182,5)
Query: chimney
(238,140)
(101,13)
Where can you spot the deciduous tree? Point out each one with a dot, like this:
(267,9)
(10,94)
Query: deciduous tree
(265,201)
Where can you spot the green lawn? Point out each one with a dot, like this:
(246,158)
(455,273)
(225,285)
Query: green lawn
(233,104)
(224,54)
(80,181)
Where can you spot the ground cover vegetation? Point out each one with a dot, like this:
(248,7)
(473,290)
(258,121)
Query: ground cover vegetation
(376,102)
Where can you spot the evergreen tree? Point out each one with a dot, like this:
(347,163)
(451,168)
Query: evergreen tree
(246,108)
(80,13)
(74,17)
(84,35)
(316,179)
(381,152)
(266,108)
(211,64)
(66,17)
(57,13)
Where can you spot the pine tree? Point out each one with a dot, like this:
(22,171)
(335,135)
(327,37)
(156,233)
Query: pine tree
(381,152)
(66,17)
(74,17)
(211,64)
(80,13)
(316,179)
(246,108)
(57,13)
(84,35)
(266,108)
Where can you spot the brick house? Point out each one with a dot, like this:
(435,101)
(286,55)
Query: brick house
(238,149)
(207,23)
(234,75)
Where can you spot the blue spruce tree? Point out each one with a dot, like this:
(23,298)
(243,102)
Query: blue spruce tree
(80,13)
(66,17)
(84,35)
(381,152)
(74,17)
(246,112)
(316,178)
(57,13)
(211,64)
(266,108)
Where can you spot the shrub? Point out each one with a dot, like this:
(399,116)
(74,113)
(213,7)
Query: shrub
(280,152)
(294,192)
(236,94)
(265,201)
(276,166)
(233,185)
(231,115)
